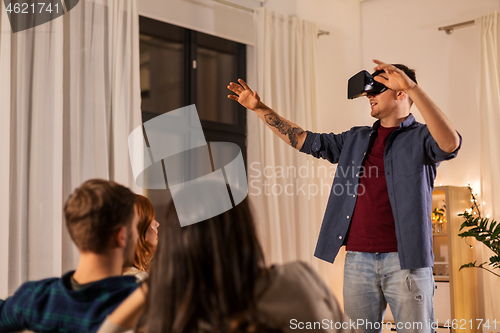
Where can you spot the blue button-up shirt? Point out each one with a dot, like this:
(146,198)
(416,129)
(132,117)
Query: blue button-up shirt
(410,160)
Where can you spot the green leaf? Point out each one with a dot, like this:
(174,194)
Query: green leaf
(496,232)
(485,231)
(469,265)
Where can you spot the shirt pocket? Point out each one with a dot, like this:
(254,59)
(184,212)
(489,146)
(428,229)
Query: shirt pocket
(409,161)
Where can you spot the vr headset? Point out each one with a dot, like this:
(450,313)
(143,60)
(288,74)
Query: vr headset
(362,84)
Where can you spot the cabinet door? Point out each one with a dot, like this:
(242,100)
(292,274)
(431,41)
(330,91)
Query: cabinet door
(442,304)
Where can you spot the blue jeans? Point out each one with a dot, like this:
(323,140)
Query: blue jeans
(371,280)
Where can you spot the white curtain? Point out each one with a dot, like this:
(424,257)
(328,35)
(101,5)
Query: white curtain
(70,96)
(489,112)
(285,186)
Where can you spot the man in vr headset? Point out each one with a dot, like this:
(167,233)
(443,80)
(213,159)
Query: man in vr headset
(386,225)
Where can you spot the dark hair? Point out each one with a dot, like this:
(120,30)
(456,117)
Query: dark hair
(204,274)
(408,71)
(144,250)
(95,210)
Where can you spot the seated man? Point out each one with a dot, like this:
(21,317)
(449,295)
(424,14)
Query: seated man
(101,217)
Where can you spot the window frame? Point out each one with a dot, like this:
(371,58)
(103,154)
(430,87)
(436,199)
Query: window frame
(214,131)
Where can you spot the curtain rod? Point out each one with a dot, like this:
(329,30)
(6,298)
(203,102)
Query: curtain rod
(250,10)
(449,28)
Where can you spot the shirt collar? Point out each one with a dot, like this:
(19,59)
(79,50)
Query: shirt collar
(410,120)
(111,284)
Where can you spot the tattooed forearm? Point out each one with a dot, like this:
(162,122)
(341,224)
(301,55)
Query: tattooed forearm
(285,128)
(294,136)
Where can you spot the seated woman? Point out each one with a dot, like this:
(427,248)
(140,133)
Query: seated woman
(147,241)
(211,277)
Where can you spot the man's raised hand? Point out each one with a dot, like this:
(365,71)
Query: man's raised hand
(394,78)
(244,95)
(286,130)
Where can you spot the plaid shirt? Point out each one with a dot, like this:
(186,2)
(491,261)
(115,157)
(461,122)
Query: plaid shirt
(51,305)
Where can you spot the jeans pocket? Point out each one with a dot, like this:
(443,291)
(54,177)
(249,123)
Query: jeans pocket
(349,254)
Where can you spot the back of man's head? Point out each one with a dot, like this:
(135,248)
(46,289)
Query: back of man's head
(95,211)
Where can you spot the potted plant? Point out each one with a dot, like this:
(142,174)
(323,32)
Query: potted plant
(485,231)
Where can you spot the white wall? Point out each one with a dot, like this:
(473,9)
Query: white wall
(205,16)
(339,57)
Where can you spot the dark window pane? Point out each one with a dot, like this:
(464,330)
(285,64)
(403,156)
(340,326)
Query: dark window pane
(162,74)
(216,67)
(163,80)
(169,82)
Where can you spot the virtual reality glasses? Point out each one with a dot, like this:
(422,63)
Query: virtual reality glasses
(362,84)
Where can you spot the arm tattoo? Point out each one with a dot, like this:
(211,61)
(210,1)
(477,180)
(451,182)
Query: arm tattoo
(285,128)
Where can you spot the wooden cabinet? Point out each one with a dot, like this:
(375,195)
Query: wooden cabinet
(459,304)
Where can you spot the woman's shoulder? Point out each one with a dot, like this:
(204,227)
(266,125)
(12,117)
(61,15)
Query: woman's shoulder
(296,292)
(130,270)
(140,275)
(295,270)
(293,266)
(298,276)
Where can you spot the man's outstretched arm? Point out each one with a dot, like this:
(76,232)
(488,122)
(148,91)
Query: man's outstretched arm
(286,130)
(439,125)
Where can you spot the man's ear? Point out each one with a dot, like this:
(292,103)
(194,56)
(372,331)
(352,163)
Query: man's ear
(121,237)
(401,95)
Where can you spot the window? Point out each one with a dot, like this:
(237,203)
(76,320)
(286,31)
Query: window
(180,67)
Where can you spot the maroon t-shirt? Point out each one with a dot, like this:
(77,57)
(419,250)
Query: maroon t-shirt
(372,225)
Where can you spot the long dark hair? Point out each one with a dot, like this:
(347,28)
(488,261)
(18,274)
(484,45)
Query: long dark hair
(204,274)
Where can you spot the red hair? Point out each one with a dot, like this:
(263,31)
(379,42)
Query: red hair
(144,250)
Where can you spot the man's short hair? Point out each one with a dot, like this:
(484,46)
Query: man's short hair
(95,210)
(408,71)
